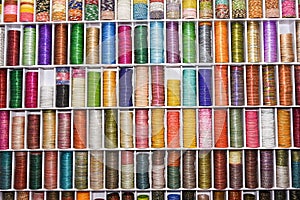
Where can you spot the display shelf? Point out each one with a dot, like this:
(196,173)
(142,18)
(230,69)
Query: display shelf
(196,104)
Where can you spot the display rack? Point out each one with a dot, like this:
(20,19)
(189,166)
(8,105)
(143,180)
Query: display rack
(83,116)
